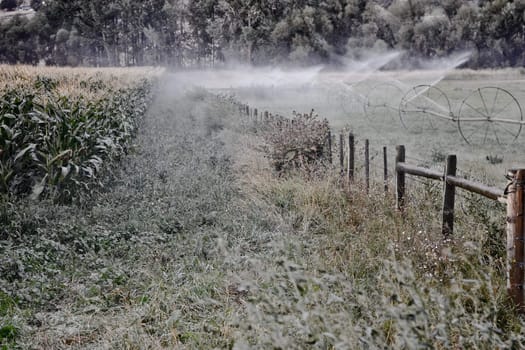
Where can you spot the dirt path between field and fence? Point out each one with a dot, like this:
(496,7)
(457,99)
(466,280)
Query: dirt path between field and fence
(149,270)
(166,255)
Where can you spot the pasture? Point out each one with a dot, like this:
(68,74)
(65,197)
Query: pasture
(369,106)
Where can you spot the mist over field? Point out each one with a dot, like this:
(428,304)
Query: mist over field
(348,71)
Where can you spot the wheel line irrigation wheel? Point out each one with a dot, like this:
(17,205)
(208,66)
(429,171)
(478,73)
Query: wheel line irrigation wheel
(423,107)
(382,99)
(490,115)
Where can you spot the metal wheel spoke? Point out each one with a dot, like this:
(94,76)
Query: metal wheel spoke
(505,130)
(494,102)
(474,109)
(504,108)
(486,133)
(430,122)
(496,134)
(484,104)
(473,132)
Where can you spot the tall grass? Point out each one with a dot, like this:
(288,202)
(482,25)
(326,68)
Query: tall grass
(353,273)
(348,271)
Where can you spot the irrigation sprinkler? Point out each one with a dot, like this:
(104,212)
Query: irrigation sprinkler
(350,98)
(422,107)
(487,115)
(376,104)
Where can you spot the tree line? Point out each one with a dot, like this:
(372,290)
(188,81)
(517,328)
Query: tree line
(205,33)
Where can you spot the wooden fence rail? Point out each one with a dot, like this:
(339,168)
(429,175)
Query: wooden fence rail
(451,181)
(513,196)
(448,176)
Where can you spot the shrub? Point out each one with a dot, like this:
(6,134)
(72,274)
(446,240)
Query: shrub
(297,143)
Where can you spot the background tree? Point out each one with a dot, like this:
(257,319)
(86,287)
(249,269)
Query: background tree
(8,5)
(210,32)
(18,43)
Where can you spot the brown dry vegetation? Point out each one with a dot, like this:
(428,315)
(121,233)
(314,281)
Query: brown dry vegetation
(75,82)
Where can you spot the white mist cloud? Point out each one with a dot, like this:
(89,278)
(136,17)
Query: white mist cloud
(350,72)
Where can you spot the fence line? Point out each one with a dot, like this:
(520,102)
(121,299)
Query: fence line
(513,195)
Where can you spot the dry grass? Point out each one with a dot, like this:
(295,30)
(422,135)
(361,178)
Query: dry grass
(354,273)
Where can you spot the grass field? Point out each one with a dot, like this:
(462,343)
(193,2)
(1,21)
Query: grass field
(193,242)
(343,100)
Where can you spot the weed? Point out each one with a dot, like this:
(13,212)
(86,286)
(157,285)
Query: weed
(437,155)
(494,159)
(8,332)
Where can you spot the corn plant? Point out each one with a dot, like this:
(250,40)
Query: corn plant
(53,144)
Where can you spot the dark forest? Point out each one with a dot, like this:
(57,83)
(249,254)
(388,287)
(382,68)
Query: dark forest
(210,33)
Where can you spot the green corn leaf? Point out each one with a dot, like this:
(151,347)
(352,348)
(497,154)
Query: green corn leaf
(9,132)
(24,151)
(61,155)
(8,116)
(7,175)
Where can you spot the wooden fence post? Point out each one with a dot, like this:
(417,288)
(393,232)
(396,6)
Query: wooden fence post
(341,154)
(367,165)
(329,136)
(449,194)
(400,178)
(385,168)
(515,238)
(351,157)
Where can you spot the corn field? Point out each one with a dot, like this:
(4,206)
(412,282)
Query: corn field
(59,130)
